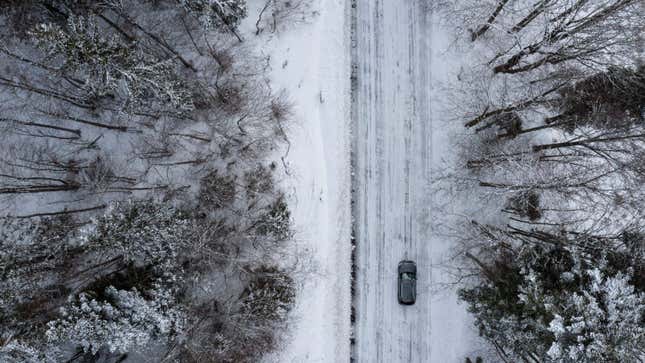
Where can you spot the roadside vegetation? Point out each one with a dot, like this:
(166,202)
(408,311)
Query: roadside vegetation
(140,216)
(555,108)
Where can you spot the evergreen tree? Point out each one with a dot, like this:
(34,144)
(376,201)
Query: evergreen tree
(550,298)
(608,100)
(125,321)
(110,67)
(113,285)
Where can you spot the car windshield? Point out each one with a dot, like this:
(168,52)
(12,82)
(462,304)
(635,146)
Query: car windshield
(407,276)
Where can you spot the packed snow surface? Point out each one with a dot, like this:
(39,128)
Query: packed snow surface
(400,58)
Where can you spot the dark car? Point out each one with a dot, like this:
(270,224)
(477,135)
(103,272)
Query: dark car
(407,282)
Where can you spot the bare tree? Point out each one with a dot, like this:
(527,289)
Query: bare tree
(584,32)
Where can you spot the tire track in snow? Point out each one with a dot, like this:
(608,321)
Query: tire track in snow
(392,160)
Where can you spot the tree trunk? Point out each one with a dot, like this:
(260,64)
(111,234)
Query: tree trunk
(536,100)
(487,272)
(532,129)
(35,124)
(159,41)
(45,92)
(64,211)
(88,122)
(538,9)
(28,189)
(484,28)
(558,145)
(561,32)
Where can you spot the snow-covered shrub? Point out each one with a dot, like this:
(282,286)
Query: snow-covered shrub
(15,351)
(281,108)
(269,296)
(244,329)
(526,204)
(216,191)
(276,222)
(258,180)
(216,13)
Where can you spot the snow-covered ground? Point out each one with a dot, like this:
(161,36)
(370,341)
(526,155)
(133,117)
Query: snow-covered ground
(311,61)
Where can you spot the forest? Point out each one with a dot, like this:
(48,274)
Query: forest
(140,213)
(554,108)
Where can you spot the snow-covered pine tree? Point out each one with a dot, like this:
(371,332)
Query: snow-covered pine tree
(112,285)
(553,298)
(123,321)
(110,67)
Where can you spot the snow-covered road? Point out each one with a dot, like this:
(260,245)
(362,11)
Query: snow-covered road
(393,132)
(401,67)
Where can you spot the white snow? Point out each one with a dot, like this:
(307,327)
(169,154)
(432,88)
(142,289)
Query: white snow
(311,61)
